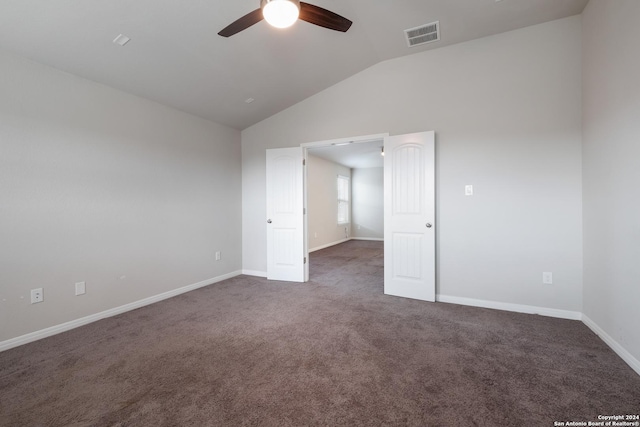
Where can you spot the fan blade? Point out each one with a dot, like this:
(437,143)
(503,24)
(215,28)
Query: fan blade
(243,23)
(323,17)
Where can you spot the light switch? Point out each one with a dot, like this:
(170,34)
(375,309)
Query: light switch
(468,190)
(81,288)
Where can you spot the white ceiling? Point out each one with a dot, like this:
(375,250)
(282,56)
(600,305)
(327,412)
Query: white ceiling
(355,155)
(175,56)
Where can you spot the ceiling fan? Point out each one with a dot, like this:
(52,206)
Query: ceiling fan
(283,13)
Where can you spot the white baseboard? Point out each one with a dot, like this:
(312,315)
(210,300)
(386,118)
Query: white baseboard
(53,330)
(620,351)
(254,273)
(373,239)
(518,308)
(317,248)
(551,312)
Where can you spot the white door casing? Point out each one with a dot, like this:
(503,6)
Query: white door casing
(409,216)
(285,219)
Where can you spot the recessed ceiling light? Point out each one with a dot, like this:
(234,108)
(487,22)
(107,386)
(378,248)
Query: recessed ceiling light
(249,100)
(121,40)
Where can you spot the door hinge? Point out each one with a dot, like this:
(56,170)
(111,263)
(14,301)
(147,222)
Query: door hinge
(305,260)
(304,211)
(304,162)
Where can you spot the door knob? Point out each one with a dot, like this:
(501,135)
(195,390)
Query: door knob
(269,221)
(429,225)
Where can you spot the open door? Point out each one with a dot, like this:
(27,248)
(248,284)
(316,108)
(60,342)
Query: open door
(409,213)
(286,256)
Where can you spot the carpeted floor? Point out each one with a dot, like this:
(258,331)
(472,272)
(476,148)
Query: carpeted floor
(331,352)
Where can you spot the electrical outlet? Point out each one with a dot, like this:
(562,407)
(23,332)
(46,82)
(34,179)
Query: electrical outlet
(218,256)
(547,278)
(468,190)
(37,295)
(81,288)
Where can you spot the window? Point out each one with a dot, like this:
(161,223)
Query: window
(343,200)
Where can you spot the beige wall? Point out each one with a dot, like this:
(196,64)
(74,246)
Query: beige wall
(611,160)
(96,185)
(367,203)
(322,202)
(506,110)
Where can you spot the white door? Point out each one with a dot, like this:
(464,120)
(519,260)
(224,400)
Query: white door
(285,225)
(409,227)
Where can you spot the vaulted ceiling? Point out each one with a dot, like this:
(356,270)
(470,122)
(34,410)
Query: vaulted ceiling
(176,58)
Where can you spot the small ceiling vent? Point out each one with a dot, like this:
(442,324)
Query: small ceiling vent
(423,34)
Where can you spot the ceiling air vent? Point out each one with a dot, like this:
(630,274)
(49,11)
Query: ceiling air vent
(423,34)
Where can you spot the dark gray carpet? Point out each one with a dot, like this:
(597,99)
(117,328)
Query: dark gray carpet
(332,352)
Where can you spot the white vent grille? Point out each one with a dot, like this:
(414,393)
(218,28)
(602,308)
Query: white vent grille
(427,33)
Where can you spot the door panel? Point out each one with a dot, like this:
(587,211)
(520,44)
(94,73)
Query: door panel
(285,232)
(409,227)
(407,253)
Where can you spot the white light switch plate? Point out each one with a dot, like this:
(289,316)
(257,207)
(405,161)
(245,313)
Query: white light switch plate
(81,288)
(468,190)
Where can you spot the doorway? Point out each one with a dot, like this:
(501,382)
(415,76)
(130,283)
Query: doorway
(409,212)
(345,202)
(345,193)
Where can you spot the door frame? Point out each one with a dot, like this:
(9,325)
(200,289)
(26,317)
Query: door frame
(335,142)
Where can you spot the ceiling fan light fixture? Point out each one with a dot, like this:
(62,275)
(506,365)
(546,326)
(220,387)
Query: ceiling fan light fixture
(280,13)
